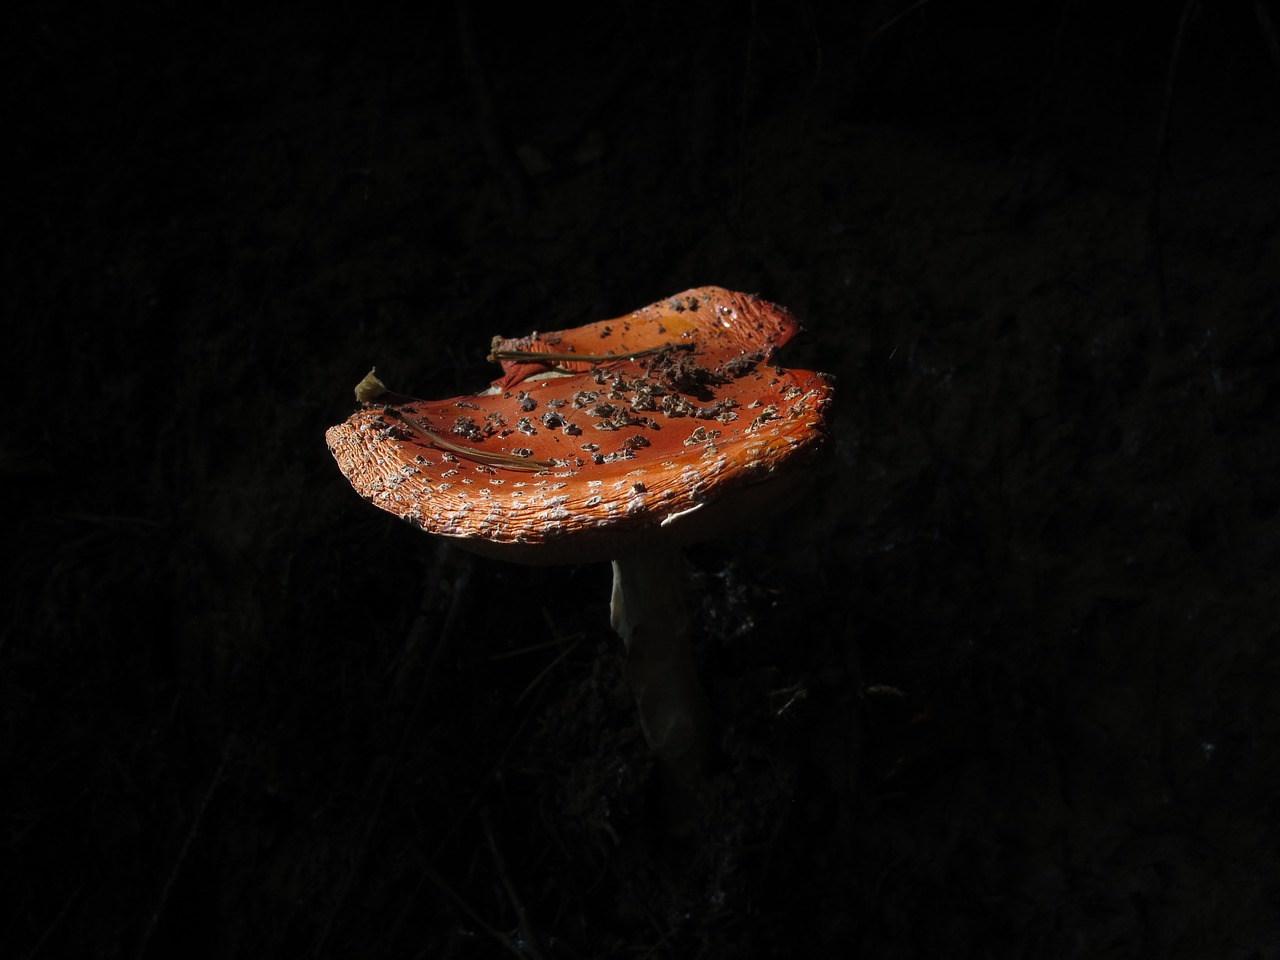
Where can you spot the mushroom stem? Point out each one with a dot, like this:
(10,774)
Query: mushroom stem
(648,612)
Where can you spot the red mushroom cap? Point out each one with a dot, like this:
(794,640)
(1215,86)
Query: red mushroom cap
(722,324)
(663,448)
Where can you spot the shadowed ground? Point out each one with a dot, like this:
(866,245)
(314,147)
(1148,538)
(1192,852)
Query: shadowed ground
(1001,686)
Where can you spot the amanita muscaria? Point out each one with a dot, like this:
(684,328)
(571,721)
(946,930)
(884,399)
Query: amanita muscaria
(620,440)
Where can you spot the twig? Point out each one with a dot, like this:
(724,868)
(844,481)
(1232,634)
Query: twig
(1189,9)
(410,725)
(522,918)
(186,849)
(888,24)
(569,648)
(485,780)
(534,356)
(462,905)
(1268,31)
(53,924)
(492,130)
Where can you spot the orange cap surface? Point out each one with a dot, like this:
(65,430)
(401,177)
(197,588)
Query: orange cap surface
(683,442)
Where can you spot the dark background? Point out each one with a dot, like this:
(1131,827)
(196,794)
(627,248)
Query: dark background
(1003,685)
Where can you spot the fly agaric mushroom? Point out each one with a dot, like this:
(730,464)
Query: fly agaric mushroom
(677,431)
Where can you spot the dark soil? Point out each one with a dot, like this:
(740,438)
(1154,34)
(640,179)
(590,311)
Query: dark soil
(1003,685)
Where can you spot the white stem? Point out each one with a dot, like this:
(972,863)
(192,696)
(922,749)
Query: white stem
(649,614)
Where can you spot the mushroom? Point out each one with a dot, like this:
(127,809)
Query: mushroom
(677,431)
